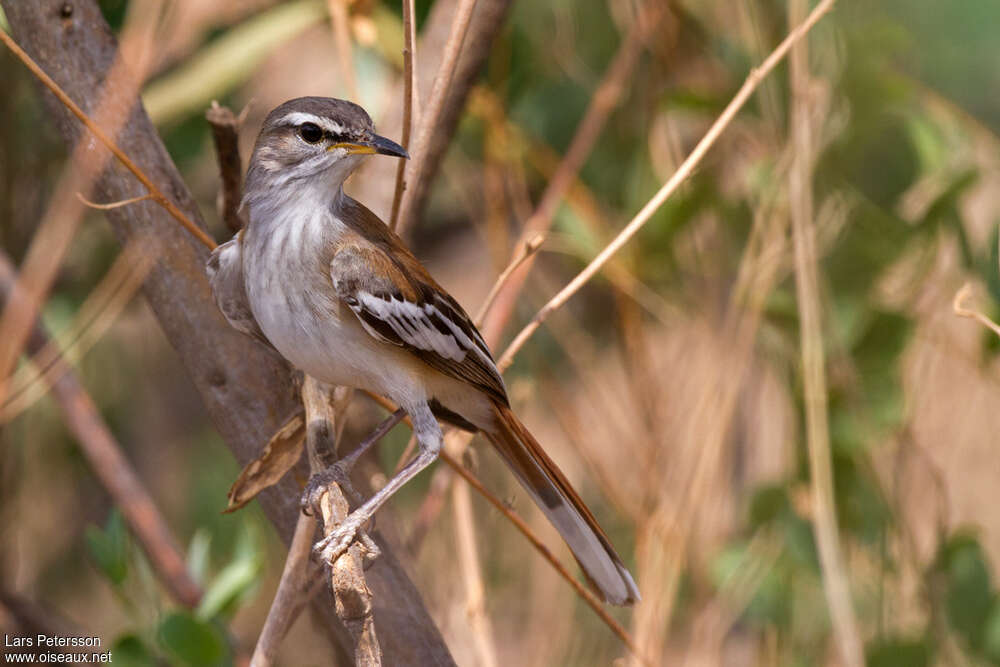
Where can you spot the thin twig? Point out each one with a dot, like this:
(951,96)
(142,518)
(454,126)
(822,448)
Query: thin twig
(98,312)
(835,581)
(409,98)
(430,118)
(342,37)
(521,255)
(110,465)
(292,593)
(154,191)
(958,305)
(525,530)
(113,205)
(679,176)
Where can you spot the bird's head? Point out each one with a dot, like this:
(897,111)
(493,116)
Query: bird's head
(316,139)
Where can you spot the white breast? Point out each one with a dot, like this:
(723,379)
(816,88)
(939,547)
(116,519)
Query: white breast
(293,300)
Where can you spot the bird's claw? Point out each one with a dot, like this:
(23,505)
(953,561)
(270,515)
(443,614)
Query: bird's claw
(319,483)
(334,545)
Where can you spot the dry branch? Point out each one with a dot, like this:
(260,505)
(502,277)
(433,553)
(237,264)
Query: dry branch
(485,25)
(960,309)
(98,312)
(245,388)
(226,139)
(109,463)
(589,598)
(410,97)
(430,118)
(292,594)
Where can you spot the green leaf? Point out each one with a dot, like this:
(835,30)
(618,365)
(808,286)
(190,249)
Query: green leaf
(191,641)
(199,553)
(767,504)
(969,594)
(130,651)
(109,548)
(235,580)
(897,652)
(801,542)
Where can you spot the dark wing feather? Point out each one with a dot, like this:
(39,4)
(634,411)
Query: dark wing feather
(403,307)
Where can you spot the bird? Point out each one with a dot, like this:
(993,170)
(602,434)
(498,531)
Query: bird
(321,279)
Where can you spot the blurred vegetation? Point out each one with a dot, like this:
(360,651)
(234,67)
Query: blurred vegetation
(905,186)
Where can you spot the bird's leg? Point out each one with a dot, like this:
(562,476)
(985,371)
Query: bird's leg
(429,439)
(340,472)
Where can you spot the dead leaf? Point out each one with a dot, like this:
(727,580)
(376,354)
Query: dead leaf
(280,454)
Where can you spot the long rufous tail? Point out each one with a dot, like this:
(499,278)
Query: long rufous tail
(552,492)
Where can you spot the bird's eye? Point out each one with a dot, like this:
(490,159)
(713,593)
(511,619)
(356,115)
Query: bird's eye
(311,133)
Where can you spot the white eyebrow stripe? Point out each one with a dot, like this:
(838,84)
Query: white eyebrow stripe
(300,117)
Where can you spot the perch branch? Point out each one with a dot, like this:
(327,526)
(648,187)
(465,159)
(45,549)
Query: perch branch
(347,574)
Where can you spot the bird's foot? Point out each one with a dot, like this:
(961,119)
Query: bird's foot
(331,547)
(334,545)
(339,474)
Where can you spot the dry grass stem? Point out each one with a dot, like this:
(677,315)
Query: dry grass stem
(113,205)
(469,564)
(688,166)
(526,531)
(292,594)
(410,98)
(605,98)
(431,116)
(455,444)
(524,251)
(109,464)
(835,581)
(958,306)
(342,37)
(100,310)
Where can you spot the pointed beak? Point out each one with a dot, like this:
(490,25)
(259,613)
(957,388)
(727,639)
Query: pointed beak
(379,145)
(385,146)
